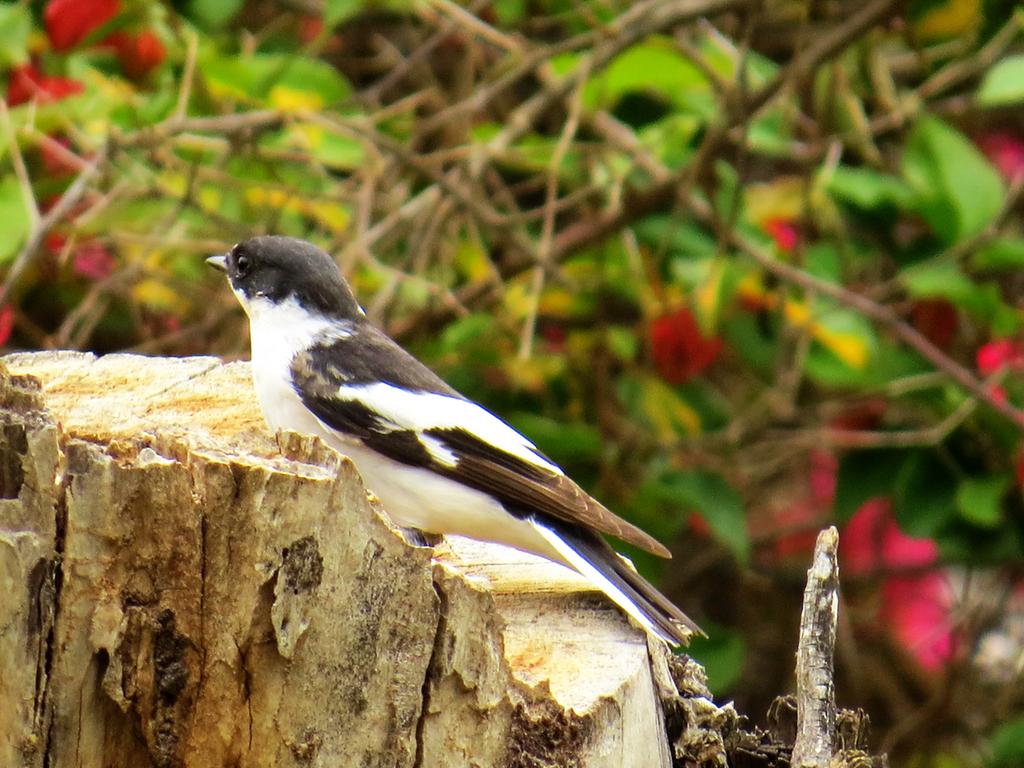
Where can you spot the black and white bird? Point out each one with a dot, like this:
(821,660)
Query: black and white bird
(438,462)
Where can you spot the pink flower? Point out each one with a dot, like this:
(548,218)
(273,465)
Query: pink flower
(997,354)
(824,466)
(915,607)
(872,542)
(1005,151)
(6,323)
(93,261)
(784,233)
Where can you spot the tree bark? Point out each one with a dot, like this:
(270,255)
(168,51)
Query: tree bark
(182,588)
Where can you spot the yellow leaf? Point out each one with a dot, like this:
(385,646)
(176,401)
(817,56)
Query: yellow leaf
(471,262)
(268,197)
(292,100)
(172,184)
(797,313)
(332,215)
(668,413)
(558,302)
(517,299)
(781,198)
(534,374)
(155,294)
(306,136)
(849,347)
(751,289)
(953,18)
(708,298)
(210,198)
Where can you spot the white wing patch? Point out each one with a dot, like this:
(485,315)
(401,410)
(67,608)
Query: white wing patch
(438,450)
(420,411)
(579,563)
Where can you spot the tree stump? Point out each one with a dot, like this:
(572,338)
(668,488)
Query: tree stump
(183,588)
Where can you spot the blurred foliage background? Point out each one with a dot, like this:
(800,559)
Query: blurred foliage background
(744,267)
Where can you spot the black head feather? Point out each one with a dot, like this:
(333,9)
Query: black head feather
(279,268)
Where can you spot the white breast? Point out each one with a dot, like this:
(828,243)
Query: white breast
(278,332)
(412,497)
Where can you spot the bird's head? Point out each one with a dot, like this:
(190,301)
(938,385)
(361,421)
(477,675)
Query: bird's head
(279,269)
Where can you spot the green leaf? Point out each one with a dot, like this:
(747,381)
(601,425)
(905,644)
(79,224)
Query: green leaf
(924,498)
(936,279)
(956,190)
(14,224)
(710,495)
(337,11)
(771,133)
(284,81)
(822,260)
(335,150)
(865,475)
(1003,253)
(947,281)
(979,499)
(212,13)
(869,189)
(654,66)
(15,26)
(1003,83)
(567,443)
(722,653)
(1007,746)
(510,12)
(754,342)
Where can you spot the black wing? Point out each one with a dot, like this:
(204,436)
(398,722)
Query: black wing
(328,376)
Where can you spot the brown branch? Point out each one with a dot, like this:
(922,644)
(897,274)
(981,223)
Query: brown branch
(815,689)
(873,310)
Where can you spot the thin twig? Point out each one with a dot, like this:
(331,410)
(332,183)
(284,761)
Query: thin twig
(20,171)
(548,227)
(62,208)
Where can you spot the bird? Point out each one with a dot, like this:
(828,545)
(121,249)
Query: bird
(439,462)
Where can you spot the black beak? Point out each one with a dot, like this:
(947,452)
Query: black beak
(218,262)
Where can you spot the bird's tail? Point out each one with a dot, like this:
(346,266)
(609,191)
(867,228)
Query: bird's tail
(614,575)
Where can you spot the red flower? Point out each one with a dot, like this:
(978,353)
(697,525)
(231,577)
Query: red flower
(69,22)
(873,542)
(999,354)
(784,233)
(1005,151)
(310,28)
(138,54)
(55,242)
(936,319)
(554,337)
(680,350)
(699,525)
(864,415)
(6,323)
(915,607)
(27,83)
(58,159)
(92,260)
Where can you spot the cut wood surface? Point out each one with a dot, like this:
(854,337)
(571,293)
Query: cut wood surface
(184,588)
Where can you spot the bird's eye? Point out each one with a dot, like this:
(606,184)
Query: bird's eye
(242,264)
